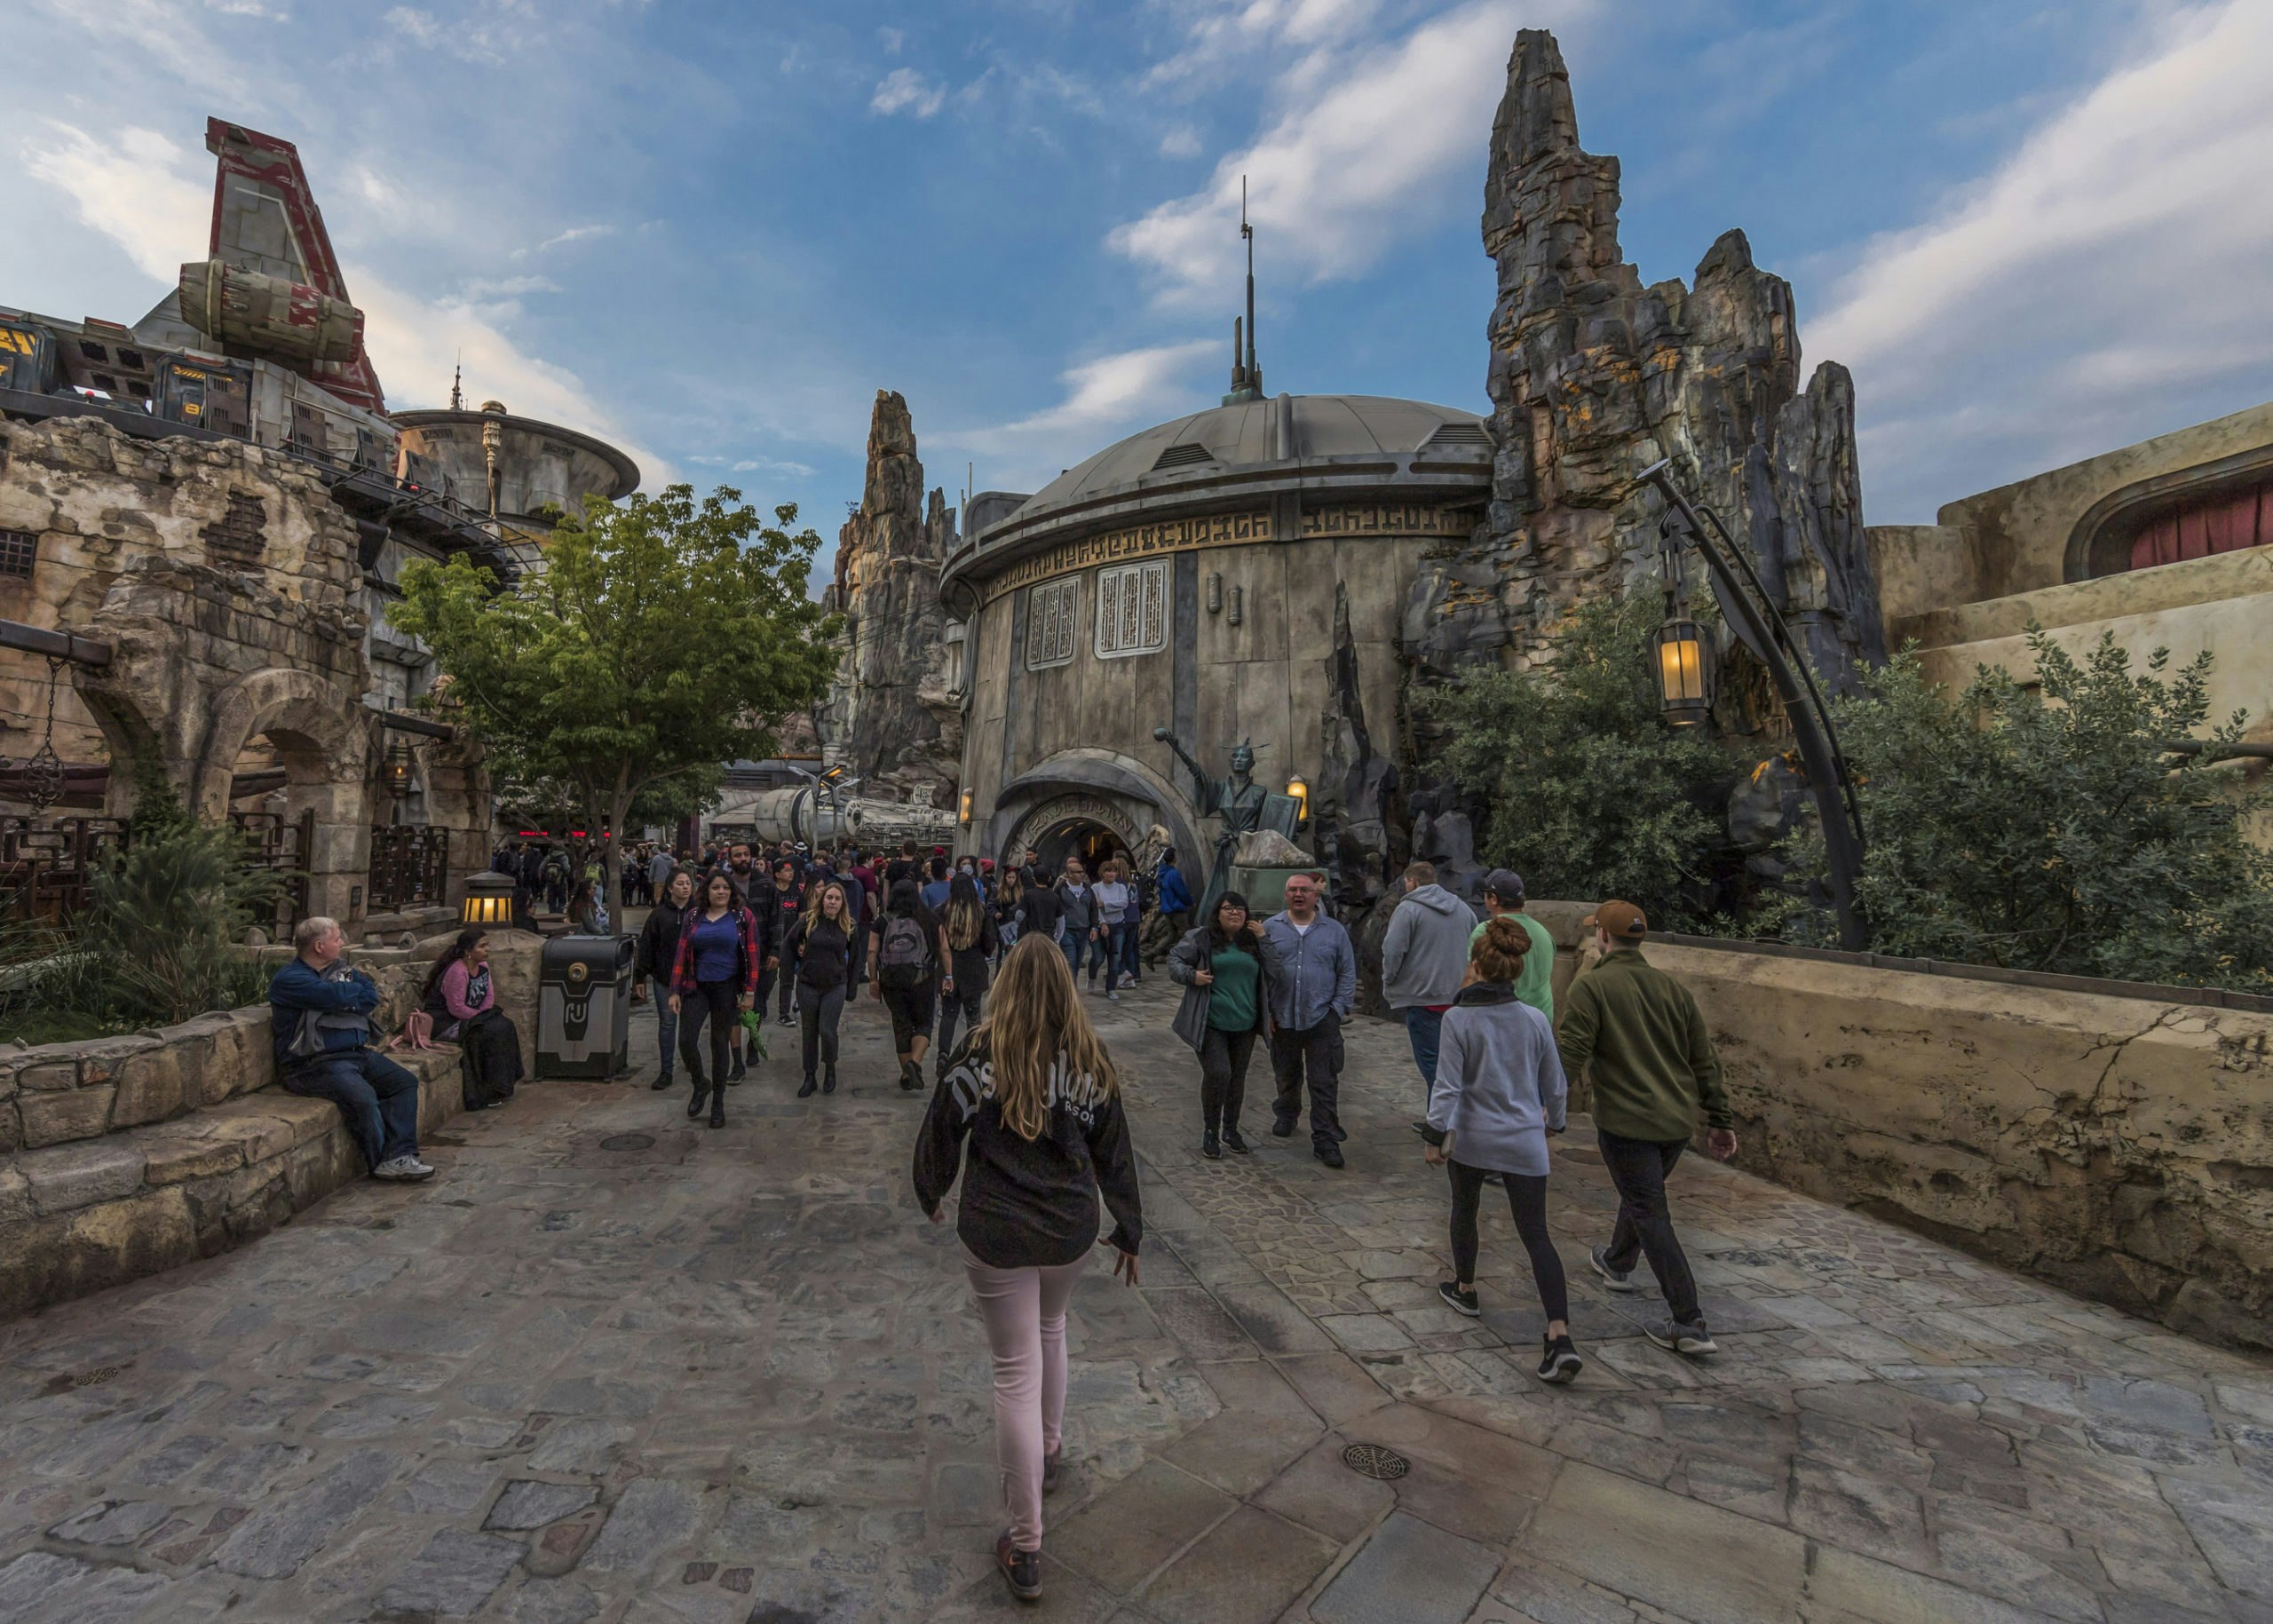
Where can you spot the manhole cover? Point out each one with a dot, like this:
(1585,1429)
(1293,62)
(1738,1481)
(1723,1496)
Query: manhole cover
(629,1142)
(1372,1461)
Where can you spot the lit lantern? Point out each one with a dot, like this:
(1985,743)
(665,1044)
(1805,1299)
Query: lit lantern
(488,898)
(1299,789)
(1684,668)
(963,812)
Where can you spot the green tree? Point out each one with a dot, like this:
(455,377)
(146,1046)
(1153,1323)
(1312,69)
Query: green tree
(2048,827)
(661,638)
(1592,793)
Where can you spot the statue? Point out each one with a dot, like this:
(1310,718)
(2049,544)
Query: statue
(1237,799)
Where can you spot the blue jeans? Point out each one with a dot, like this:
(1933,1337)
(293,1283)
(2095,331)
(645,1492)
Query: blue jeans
(1076,944)
(1115,950)
(379,1099)
(1130,930)
(666,1023)
(1424,1027)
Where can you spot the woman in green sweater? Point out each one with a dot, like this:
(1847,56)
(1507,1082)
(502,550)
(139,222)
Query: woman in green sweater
(1225,968)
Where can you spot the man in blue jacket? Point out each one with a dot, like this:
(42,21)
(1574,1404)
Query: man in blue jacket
(322,1024)
(1176,895)
(1316,990)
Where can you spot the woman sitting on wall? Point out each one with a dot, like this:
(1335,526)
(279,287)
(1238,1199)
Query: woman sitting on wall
(461,995)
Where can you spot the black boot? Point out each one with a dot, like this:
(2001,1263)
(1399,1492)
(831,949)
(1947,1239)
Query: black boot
(809,1089)
(701,1092)
(911,1076)
(718,1105)
(829,1079)
(662,1080)
(739,1071)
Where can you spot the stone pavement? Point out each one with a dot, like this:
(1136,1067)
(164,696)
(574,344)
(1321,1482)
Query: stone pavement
(612,1366)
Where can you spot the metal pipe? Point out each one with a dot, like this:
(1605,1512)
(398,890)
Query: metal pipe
(1746,604)
(55,645)
(2217,752)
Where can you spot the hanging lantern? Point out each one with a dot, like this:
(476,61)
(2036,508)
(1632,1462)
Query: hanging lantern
(1685,671)
(1298,788)
(398,770)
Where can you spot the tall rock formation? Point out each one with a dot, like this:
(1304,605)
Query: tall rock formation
(1593,377)
(894,717)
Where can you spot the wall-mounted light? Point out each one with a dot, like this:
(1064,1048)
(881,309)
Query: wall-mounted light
(1299,789)
(1214,592)
(964,810)
(397,769)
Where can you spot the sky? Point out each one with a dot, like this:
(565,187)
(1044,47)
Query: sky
(711,232)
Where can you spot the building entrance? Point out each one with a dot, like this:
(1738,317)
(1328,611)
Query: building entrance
(1092,842)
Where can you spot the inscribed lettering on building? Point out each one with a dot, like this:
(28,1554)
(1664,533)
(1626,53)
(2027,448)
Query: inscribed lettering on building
(1052,608)
(1132,610)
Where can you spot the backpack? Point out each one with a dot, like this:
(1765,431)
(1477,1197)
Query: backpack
(902,960)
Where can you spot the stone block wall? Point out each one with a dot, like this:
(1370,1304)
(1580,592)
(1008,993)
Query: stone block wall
(2119,1146)
(123,1156)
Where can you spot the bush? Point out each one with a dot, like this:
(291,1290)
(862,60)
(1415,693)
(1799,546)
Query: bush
(156,941)
(1590,792)
(2053,830)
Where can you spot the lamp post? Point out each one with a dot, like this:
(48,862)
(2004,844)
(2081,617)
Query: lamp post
(1685,687)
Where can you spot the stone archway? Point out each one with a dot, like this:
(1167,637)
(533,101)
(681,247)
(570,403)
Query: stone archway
(1053,821)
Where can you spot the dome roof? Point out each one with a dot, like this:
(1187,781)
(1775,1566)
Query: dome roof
(1299,428)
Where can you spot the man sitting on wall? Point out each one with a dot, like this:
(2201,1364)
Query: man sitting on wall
(322,1021)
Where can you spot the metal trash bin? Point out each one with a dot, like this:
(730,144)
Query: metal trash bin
(583,1006)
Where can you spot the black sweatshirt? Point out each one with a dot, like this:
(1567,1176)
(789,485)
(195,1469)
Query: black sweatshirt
(827,954)
(1028,1203)
(659,941)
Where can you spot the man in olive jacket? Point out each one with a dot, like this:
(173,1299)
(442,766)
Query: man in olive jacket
(1653,1067)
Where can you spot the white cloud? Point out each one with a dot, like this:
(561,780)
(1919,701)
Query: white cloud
(1105,398)
(482,288)
(903,90)
(1374,140)
(136,190)
(1222,34)
(766,465)
(420,25)
(2093,290)
(575,233)
(891,40)
(1181,142)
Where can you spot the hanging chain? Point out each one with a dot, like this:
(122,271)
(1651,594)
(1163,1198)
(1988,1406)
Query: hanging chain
(43,770)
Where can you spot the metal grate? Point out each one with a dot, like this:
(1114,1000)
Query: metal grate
(1372,1461)
(1183,456)
(1457,434)
(19,551)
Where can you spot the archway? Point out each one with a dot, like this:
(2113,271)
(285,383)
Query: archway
(1080,838)
(1084,825)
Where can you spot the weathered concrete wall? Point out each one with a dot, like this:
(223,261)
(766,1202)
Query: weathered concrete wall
(2119,1146)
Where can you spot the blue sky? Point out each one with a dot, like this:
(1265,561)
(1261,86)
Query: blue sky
(712,232)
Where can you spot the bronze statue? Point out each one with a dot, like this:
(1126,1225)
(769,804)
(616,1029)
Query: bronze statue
(1236,798)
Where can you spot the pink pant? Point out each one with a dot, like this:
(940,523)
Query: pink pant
(1024,1311)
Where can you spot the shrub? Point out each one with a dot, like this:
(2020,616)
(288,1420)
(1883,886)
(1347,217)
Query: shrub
(2049,827)
(1590,793)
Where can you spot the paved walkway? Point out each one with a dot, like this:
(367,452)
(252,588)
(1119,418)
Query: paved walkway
(609,1365)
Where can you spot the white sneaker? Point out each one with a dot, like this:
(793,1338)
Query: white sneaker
(1127,981)
(402,1169)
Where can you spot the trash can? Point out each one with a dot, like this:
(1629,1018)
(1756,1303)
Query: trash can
(584,1007)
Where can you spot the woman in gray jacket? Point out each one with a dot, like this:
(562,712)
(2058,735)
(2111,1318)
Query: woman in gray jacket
(1226,967)
(1500,1092)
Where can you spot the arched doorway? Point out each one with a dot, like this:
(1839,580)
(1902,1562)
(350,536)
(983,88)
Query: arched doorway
(1083,825)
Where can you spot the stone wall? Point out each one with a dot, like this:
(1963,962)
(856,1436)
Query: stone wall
(123,1156)
(2119,1146)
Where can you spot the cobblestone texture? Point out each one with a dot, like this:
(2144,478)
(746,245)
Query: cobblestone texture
(733,1377)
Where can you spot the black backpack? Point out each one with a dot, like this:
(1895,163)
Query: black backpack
(905,954)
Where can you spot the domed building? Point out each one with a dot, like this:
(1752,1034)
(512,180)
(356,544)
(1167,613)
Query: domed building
(1206,576)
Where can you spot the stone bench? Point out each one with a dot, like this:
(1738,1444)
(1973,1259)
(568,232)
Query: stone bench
(89,1213)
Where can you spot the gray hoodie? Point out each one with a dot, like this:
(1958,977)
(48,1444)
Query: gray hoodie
(1500,1084)
(1425,954)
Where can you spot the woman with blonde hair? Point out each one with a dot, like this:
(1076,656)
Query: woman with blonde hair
(1029,1111)
(1499,1091)
(971,943)
(825,945)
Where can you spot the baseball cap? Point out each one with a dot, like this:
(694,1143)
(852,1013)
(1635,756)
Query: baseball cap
(1624,921)
(1505,884)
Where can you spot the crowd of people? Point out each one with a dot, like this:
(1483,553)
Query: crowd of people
(1025,1106)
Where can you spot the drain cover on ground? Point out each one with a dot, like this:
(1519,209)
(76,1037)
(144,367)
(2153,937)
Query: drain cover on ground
(629,1142)
(1372,1461)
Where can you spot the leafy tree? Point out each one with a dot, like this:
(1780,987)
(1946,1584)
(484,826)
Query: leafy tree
(2049,827)
(1591,793)
(661,639)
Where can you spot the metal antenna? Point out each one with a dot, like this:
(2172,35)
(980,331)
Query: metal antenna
(1247,372)
(457,372)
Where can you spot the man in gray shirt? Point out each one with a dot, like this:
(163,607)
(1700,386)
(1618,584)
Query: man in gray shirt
(1316,990)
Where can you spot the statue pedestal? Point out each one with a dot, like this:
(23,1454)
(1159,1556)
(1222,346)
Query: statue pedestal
(1265,888)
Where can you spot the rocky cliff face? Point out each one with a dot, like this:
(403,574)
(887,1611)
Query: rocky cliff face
(1594,377)
(892,719)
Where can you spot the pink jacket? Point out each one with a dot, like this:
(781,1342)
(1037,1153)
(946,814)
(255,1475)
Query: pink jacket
(452,991)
